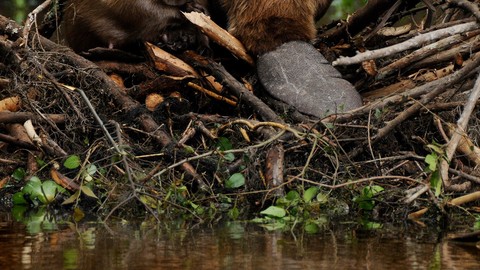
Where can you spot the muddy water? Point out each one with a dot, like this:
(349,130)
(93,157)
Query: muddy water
(43,244)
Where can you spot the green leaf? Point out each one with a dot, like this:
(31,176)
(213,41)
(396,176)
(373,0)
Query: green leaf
(87,191)
(258,220)
(370,191)
(292,195)
(181,189)
(366,204)
(235,181)
(18,212)
(49,190)
(149,201)
(35,179)
(370,225)
(322,198)
(229,157)
(18,199)
(274,226)
(311,228)
(72,198)
(310,194)
(224,144)
(197,208)
(431,160)
(436,148)
(44,192)
(436,183)
(40,162)
(72,162)
(292,199)
(376,189)
(476,225)
(19,174)
(188,149)
(233,213)
(33,188)
(274,211)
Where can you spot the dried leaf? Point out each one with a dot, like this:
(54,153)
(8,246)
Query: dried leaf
(63,181)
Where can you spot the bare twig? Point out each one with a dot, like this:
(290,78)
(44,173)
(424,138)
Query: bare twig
(414,196)
(422,53)
(415,42)
(32,19)
(237,88)
(472,7)
(462,124)
(440,84)
(466,198)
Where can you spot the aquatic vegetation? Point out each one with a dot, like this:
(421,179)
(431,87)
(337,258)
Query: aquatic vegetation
(37,192)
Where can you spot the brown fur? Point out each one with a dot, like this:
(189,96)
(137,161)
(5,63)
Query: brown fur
(122,23)
(263,25)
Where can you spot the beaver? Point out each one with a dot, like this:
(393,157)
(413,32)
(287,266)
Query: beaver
(263,25)
(120,24)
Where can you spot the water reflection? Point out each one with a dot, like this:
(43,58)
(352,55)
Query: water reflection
(228,246)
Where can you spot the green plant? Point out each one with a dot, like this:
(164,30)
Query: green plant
(37,192)
(370,225)
(224,144)
(35,219)
(294,208)
(236,180)
(73,162)
(19,174)
(433,160)
(365,199)
(476,225)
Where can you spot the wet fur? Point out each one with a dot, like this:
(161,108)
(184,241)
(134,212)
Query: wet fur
(263,25)
(122,23)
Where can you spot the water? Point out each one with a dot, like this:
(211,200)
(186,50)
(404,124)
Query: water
(43,244)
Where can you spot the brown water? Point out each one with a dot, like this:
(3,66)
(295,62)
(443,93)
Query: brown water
(43,244)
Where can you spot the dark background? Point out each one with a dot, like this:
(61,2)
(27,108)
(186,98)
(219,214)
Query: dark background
(18,9)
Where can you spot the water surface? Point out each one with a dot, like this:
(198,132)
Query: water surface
(44,244)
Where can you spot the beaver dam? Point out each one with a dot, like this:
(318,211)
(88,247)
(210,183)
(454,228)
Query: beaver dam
(116,134)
